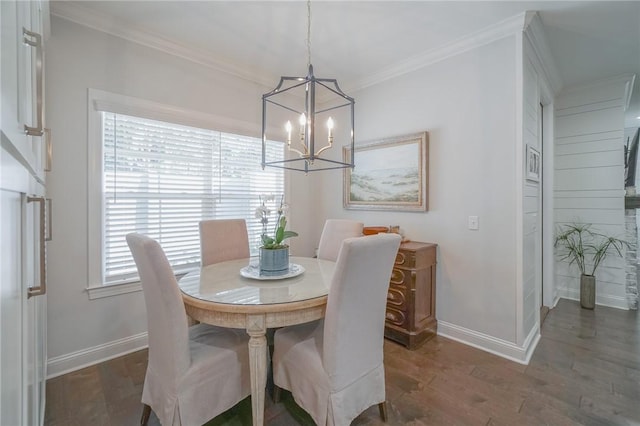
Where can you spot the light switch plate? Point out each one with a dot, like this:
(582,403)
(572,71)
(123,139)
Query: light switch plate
(473,223)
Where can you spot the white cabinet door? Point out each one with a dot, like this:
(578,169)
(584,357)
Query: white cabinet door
(11,305)
(34,308)
(22,82)
(22,318)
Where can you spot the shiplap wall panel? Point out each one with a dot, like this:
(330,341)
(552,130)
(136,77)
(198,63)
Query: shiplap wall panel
(607,203)
(532,229)
(605,277)
(530,139)
(595,106)
(589,122)
(594,178)
(607,270)
(589,159)
(597,217)
(530,205)
(589,178)
(608,193)
(530,309)
(530,225)
(530,124)
(597,93)
(603,143)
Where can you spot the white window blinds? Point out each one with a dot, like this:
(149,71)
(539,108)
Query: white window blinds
(161,179)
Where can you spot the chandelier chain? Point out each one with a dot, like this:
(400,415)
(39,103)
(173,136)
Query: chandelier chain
(308,33)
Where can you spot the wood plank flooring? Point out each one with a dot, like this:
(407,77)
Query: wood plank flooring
(585,371)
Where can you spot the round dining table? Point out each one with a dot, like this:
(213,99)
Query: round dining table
(234,294)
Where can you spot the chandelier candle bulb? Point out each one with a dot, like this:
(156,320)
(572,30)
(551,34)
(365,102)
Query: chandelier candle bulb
(288,127)
(303,125)
(330,127)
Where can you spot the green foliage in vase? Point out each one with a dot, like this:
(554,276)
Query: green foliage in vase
(578,244)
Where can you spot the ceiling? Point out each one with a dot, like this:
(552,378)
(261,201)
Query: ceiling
(361,42)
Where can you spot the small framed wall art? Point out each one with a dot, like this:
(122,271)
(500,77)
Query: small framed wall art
(389,174)
(533,164)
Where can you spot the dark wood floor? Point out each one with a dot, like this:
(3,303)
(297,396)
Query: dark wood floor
(585,371)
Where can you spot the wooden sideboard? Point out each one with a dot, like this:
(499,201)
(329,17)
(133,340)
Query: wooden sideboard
(411,300)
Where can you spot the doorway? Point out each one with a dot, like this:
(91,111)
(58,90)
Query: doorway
(544,310)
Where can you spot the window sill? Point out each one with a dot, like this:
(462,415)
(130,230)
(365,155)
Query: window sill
(115,289)
(100,291)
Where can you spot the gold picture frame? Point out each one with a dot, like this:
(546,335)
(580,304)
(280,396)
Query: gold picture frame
(390,174)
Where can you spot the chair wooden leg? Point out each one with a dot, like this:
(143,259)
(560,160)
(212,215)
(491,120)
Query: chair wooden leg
(276,393)
(146,413)
(382,407)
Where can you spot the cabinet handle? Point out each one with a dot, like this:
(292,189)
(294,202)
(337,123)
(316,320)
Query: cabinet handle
(49,235)
(42,288)
(48,150)
(35,40)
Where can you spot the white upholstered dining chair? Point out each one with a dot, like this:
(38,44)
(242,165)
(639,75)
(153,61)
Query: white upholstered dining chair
(223,239)
(334,367)
(333,233)
(194,373)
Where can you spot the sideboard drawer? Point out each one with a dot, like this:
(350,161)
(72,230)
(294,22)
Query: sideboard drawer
(396,317)
(411,311)
(400,277)
(396,297)
(405,259)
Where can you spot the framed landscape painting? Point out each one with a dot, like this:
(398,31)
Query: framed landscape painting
(389,174)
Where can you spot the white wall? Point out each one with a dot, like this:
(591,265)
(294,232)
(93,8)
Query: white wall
(467,103)
(82,330)
(589,178)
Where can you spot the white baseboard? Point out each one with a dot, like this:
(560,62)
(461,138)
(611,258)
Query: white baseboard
(63,364)
(502,348)
(610,301)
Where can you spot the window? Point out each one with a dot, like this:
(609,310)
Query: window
(161,178)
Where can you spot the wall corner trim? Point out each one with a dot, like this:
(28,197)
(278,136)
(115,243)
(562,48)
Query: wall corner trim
(502,348)
(534,31)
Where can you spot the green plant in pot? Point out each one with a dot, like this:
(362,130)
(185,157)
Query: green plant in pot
(274,252)
(585,248)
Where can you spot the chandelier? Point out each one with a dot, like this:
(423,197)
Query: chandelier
(309,113)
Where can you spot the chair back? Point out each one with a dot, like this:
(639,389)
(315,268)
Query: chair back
(167,322)
(222,240)
(355,315)
(333,233)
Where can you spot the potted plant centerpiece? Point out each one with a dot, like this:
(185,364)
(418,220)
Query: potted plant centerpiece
(274,253)
(578,244)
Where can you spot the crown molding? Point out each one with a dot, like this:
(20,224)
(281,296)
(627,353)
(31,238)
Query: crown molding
(74,12)
(534,32)
(625,80)
(480,38)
